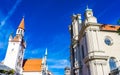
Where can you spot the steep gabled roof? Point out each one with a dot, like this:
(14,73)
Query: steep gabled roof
(32,65)
(21,25)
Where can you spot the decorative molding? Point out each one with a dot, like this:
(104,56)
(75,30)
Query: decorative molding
(94,57)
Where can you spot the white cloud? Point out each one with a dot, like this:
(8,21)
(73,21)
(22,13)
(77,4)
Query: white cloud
(58,53)
(34,53)
(4,36)
(58,63)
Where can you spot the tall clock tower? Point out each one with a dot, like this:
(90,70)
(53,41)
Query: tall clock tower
(15,50)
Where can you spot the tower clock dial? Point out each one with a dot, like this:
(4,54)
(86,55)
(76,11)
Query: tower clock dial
(89,13)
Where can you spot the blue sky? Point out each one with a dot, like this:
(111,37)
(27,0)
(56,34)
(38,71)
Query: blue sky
(46,25)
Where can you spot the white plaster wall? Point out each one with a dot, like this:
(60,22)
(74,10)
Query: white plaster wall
(114,49)
(32,73)
(11,56)
(96,43)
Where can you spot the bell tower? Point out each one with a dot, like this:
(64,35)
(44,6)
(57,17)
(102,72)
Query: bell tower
(20,30)
(44,64)
(88,13)
(89,17)
(15,50)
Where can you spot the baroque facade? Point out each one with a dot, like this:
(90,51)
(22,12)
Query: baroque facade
(94,48)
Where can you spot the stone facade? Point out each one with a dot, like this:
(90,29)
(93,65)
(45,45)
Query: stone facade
(94,46)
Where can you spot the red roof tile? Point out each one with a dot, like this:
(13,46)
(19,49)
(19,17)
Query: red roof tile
(110,27)
(32,65)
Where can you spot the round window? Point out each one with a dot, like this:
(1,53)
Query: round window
(108,41)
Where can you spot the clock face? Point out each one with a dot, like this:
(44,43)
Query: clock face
(89,14)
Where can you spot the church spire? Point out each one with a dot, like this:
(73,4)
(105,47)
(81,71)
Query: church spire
(21,28)
(45,56)
(44,63)
(46,52)
(21,25)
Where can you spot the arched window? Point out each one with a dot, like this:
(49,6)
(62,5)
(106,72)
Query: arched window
(83,54)
(21,31)
(112,63)
(18,30)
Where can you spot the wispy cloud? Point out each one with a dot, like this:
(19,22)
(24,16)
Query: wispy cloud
(34,53)
(106,10)
(4,43)
(57,48)
(10,12)
(6,30)
(58,53)
(58,57)
(4,36)
(58,63)
(57,66)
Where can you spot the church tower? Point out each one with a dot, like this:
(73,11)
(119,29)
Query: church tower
(96,50)
(89,18)
(44,64)
(16,49)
